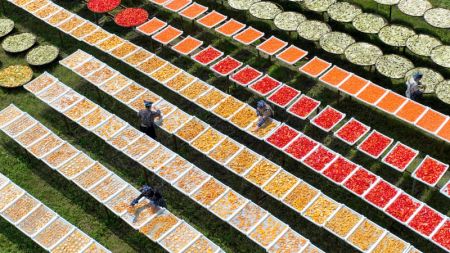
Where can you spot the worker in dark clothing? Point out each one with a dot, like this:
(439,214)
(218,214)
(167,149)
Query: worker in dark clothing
(264,112)
(151,194)
(147,119)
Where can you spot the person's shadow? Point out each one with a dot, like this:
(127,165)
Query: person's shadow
(138,211)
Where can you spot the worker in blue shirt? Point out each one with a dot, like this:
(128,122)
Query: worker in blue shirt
(151,194)
(264,112)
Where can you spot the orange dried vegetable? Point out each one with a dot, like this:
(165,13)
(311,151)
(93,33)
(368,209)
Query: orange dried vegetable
(390,244)
(68,99)
(96,36)
(227,205)
(365,235)
(80,109)
(138,57)
(191,180)
(88,67)
(110,127)
(124,138)
(261,172)
(40,82)
(47,11)
(110,43)
(173,169)
(174,120)
(151,64)
(190,130)
(311,249)
(74,243)
(21,2)
(179,238)
(130,92)
(201,245)
(244,117)
(8,194)
(248,217)
(343,221)
(165,72)
(266,128)
(53,232)
(138,103)
(140,213)
(243,161)
(227,107)
(194,90)
(19,125)
(210,98)
(20,208)
(83,30)
(59,17)
(281,184)
(94,118)
(289,242)
(35,5)
(54,91)
(36,220)
(91,176)
(59,156)
(268,230)
(73,60)
(121,201)
(94,248)
(321,210)
(140,147)
(156,158)
(300,196)
(206,141)
(209,192)
(71,23)
(180,81)
(45,145)
(114,84)
(224,150)
(159,225)
(9,114)
(124,50)
(101,75)
(108,187)
(31,135)
(76,165)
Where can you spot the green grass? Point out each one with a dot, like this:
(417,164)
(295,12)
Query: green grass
(84,212)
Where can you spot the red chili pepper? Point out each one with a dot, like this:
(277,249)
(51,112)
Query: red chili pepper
(226,65)
(301,147)
(328,118)
(352,131)
(403,207)
(282,136)
(381,194)
(265,85)
(425,221)
(339,169)
(304,106)
(102,6)
(360,181)
(246,75)
(442,236)
(131,17)
(431,170)
(284,95)
(319,158)
(208,55)
(375,144)
(400,156)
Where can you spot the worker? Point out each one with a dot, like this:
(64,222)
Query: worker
(153,195)
(147,118)
(263,111)
(414,86)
